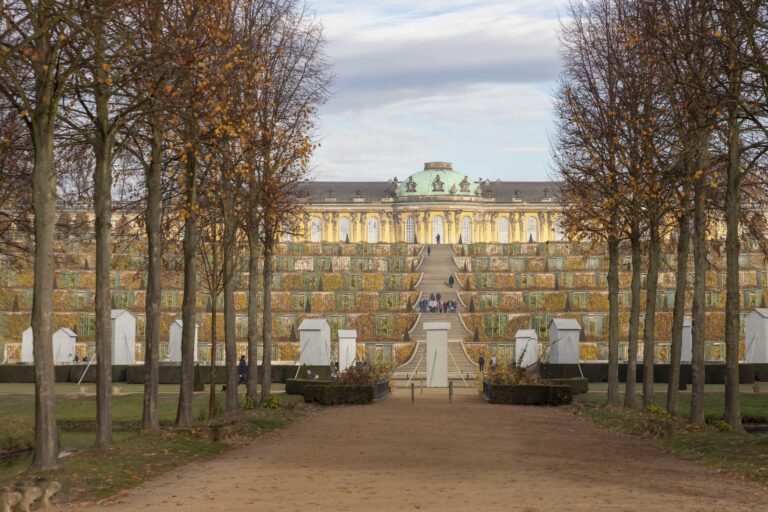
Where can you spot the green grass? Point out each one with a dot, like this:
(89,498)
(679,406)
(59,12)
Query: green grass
(754,406)
(745,455)
(90,474)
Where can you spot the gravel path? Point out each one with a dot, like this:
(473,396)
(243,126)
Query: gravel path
(431,455)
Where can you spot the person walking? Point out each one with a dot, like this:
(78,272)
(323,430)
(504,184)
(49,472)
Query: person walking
(429,250)
(481,362)
(450,281)
(437,238)
(493,362)
(242,370)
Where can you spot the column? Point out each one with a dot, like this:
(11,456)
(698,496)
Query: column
(352,227)
(334,227)
(363,227)
(550,226)
(542,228)
(521,226)
(427,228)
(493,237)
(448,224)
(305,224)
(326,237)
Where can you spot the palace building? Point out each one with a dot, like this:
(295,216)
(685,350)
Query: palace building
(435,202)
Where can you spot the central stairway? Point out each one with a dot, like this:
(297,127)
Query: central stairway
(437,267)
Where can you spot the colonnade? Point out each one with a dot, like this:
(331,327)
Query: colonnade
(405,225)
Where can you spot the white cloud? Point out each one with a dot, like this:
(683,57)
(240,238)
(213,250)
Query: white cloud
(427,80)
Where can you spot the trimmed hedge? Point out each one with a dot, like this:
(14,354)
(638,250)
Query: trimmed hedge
(297,386)
(336,394)
(529,394)
(578,385)
(598,372)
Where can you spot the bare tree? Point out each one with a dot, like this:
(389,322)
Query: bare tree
(34,71)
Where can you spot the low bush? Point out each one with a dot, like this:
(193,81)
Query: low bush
(336,394)
(529,394)
(578,385)
(297,386)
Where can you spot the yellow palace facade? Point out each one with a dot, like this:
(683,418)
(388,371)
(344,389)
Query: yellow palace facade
(435,205)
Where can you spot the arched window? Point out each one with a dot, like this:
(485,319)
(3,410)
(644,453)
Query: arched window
(344,229)
(373,230)
(316,229)
(503,230)
(437,229)
(532,232)
(466,230)
(410,230)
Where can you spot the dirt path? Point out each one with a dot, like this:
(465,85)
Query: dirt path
(465,456)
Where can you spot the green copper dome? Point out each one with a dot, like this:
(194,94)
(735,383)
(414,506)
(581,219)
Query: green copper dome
(437,179)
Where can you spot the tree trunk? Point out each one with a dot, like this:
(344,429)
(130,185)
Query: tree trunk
(214,322)
(253,335)
(699,288)
(150,418)
(634,319)
(102,200)
(732,249)
(652,281)
(184,417)
(44,204)
(613,321)
(266,364)
(678,315)
(230,341)
(102,180)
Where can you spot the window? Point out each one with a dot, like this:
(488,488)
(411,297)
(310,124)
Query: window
(555,263)
(410,230)
(86,324)
(495,325)
(316,230)
(533,299)
(532,231)
(503,230)
(123,299)
(344,229)
(593,324)
(593,263)
(241,326)
(345,301)
(489,300)
(373,230)
(711,299)
(437,229)
(526,280)
(566,280)
(578,300)
(80,299)
(466,230)
(625,299)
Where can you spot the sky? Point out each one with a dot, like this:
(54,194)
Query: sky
(464,81)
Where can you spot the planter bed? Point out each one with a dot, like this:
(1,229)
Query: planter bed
(337,394)
(527,394)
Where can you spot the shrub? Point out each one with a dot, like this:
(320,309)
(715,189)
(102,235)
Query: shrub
(529,394)
(335,394)
(298,386)
(361,374)
(578,385)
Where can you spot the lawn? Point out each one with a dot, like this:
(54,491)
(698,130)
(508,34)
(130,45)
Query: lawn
(754,406)
(713,445)
(88,474)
